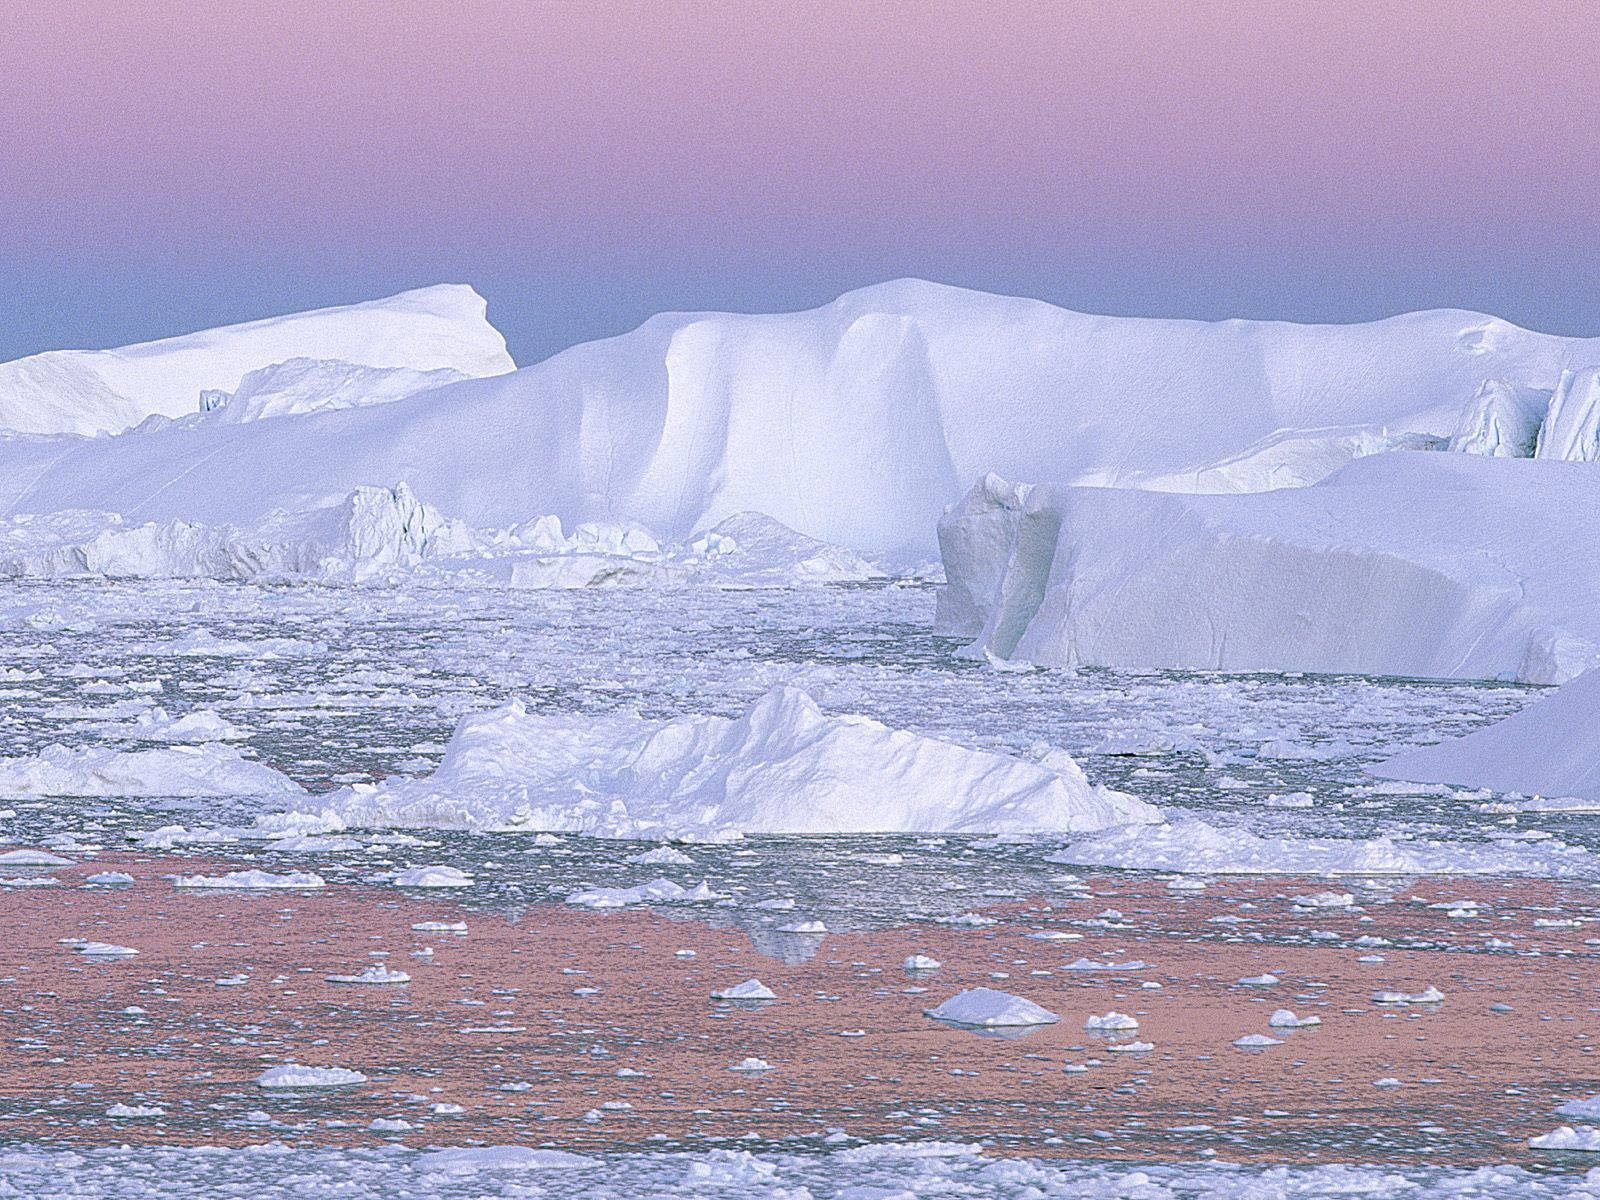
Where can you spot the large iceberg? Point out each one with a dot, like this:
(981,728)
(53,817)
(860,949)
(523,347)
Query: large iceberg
(855,423)
(1551,749)
(780,767)
(104,391)
(1430,565)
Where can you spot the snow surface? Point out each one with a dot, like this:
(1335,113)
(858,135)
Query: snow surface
(854,423)
(96,391)
(1430,565)
(781,767)
(1551,748)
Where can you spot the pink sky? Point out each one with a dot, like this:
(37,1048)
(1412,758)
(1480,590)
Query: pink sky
(720,144)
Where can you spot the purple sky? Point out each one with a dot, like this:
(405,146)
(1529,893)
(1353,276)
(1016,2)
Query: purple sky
(170,165)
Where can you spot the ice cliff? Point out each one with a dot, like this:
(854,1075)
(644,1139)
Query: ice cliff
(1433,565)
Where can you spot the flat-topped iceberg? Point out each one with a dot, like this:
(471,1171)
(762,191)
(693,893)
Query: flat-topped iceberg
(103,391)
(783,766)
(1551,748)
(1434,565)
(855,423)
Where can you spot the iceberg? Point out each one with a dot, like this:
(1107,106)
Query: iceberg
(211,769)
(782,766)
(855,423)
(990,1008)
(1551,748)
(105,391)
(1453,566)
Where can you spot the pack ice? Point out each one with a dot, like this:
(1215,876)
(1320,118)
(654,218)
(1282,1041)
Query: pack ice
(1549,749)
(855,423)
(440,329)
(780,767)
(1431,565)
(389,535)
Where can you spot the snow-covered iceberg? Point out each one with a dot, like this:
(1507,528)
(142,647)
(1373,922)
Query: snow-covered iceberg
(105,391)
(855,423)
(1551,748)
(781,767)
(208,770)
(1431,565)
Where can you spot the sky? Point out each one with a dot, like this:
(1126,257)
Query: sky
(168,165)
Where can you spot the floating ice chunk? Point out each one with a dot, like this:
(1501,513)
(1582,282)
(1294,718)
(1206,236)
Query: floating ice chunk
(990,1008)
(657,891)
(1256,1041)
(209,770)
(32,858)
(390,1125)
(920,962)
(254,880)
(1431,995)
(1191,845)
(1111,1022)
(109,879)
(377,973)
(751,1064)
(1131,1047)
(662,856)
(135,1111)
(294,1076)
(1284,1018)
(1267,980)
(1565,1137)
(433,877)
(750,989)
(781,767)
(440,927)
(471,1160)
(808,928)
(1587,1109)
(1090,964)
(105,950)
(1324,900)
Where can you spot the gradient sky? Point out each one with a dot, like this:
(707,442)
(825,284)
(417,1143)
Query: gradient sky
(165,166)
